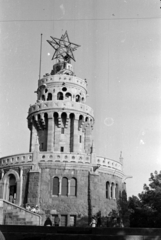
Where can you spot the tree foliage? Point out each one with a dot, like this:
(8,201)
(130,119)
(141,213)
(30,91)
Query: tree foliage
(146,208)
(120,216)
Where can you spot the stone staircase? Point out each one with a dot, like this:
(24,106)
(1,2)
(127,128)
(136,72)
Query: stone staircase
(12,214)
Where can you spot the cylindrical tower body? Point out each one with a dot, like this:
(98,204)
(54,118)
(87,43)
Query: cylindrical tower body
(60,117)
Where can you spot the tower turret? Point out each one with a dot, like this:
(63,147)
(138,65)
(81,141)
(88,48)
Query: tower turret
(60,117)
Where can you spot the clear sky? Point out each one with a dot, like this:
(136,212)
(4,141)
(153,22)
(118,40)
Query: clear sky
(120,56)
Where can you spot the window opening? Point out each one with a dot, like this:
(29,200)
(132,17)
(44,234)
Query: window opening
(107,189)
(49,97)
(77,98)
(73,187)
(72,220)
(55,220)
(64,89)
(62,130)
(64,220)
(64,186)
(60,96)
(62,149)
(55,186)
(68,96)
(80,139)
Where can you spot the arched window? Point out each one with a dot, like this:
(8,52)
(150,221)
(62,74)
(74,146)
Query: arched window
(68,96)
(107,189)
(60,96)
(55,186)
(64,191)
(80,122)
(49,97)
(73,187)
(12,188)
(77,98)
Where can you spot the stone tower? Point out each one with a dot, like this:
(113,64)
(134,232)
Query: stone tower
(61,173)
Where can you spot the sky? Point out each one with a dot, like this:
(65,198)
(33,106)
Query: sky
(120,56)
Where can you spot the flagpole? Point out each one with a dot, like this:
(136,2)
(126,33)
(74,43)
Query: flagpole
(40,56)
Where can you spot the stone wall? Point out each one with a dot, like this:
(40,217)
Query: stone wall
(33,188)
(90,197)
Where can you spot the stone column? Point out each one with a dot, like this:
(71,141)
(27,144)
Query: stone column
(113,191)
(1,212)
(76,134)
(18,193)
(21,186)
(50,132)
(67,134)
(57,134)
(33,137)
(60,186)
(68,187)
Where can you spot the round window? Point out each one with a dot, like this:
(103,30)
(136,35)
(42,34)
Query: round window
(64,89)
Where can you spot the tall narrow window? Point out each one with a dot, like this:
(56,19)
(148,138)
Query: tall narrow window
(55,186)
(64,186)
(73,187)
(107,189)
(80,139)
(62,149)
(49,97)
(60,96)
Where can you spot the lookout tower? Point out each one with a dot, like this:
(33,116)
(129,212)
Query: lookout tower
(61,119)
(61,172)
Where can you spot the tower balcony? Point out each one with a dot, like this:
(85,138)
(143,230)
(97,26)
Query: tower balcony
(61,105)
(62,78)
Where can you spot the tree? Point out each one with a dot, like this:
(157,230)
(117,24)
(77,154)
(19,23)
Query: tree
(121,214)
(146,208)
(123,209)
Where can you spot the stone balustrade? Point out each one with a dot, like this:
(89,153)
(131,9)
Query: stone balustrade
(63,78)
(16,159)
(107,162)
(64,157)
(45,105)
(58,157)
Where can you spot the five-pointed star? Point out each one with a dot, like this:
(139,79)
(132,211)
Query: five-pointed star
(63,48)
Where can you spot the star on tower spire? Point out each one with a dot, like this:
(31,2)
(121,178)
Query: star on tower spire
(63,48)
